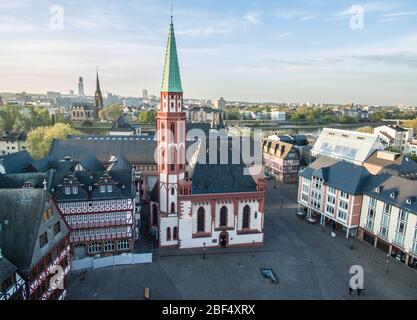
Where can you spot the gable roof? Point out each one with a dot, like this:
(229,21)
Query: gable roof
(23,208)
(16,162)
(136,149)
(403,188)
(397,164)
(341,175)
(351,146)
(219,178)
(6,269)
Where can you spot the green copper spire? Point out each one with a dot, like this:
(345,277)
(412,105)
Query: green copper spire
(172,78)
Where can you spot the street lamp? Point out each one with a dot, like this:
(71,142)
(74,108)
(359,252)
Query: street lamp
(204,251)
(387,270)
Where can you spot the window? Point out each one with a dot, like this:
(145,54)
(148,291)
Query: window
(94,247)
(43,240)
(343,205)
(344,195)
(172,191)
(175,233)
(372,202)
(109,188)
(223,216)
(168,234)
(57,228)
(387,208)
(246,217)
(48,214)
(172,207)
(75,190)
(341,215)
(330,210)
(123,245)
(331,200)
(67,190)
(109,246)
(200,220)
(103,189)
(332,190)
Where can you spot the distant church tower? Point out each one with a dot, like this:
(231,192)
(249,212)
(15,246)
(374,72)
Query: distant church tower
(171,142)
(98,100)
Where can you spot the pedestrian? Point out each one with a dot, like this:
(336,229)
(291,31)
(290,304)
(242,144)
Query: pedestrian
(350,290)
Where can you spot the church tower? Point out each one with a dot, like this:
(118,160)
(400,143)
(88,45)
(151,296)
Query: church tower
(171,144)
(98,100)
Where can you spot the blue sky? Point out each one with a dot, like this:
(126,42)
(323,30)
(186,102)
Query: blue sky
(266,50)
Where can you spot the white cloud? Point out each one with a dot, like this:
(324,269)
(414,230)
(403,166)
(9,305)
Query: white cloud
(252,17)
(281,35)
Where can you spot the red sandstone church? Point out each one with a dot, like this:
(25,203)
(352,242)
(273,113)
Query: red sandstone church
(195,204)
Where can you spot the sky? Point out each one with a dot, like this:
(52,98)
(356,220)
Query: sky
(259,51)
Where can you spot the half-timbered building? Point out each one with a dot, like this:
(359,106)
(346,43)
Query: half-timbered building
(98,203)
(36,238)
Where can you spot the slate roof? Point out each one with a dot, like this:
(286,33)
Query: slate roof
(6,269)
(341,175)
(17,181)
(12,136)
(16,162)
(138,150)
(119,174)
(44,164)
(91,163)
(219,178)
(404,189)
(23,208)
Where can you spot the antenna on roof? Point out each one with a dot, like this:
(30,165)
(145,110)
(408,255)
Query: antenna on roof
(172,11)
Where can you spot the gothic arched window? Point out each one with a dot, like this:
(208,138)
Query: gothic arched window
(200,219)
(223,216)
(246,217)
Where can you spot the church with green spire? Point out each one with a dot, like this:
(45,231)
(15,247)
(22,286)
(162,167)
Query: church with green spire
(172,78)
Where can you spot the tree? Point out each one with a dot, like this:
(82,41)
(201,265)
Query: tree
(8,116)
(111,113)
(411,124)
(366,130)
(147,117)
(40,139)
(34,117)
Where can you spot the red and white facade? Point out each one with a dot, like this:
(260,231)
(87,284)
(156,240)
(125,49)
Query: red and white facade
(328,203)
(105,226)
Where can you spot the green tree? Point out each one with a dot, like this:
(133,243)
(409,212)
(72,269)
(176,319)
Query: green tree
(40,139)
(111,112)
(9,115)
(147,117)
(411,124)
(366,130)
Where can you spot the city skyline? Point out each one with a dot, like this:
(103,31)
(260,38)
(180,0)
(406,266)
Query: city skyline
(251,51)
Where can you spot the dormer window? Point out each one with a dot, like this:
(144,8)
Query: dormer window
(379,189)
(109,188)
(103,189)
(409,201)
(67,190)
(394,195)
(75,190)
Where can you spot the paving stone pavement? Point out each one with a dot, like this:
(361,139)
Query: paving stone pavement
(309,264)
